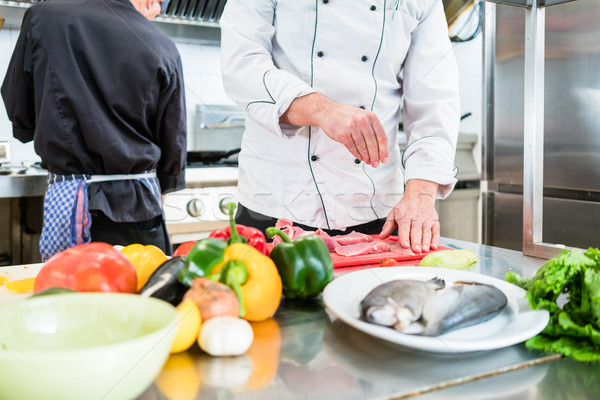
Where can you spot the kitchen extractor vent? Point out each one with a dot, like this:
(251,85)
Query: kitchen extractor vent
(195,10)
(187,12)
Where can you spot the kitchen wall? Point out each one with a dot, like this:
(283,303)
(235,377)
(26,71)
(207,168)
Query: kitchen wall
(201,64)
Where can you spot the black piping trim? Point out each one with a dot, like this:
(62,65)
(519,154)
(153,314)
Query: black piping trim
(404,152)
(314,179)
(312,49)
(377,55)
(268,92)
(312,58)
(419,139)
(373,102)
(373,195)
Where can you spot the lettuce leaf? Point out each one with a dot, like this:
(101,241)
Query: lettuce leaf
(574,328)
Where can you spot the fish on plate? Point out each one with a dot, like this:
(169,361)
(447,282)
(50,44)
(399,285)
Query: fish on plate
(398,303)
(431,308)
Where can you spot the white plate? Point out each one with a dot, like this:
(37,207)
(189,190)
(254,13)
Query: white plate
(515,324)
(15,273)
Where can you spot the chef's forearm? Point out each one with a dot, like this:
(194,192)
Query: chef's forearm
(421,187)
(309,110)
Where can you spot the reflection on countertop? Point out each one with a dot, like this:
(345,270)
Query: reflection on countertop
(22,181)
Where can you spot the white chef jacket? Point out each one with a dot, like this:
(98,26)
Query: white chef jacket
(374,54)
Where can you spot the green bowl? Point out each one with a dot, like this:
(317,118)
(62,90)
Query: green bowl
(108,346)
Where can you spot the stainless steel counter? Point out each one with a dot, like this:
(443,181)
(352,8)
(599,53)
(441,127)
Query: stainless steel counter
(23,185)
(21,210)
(304,352)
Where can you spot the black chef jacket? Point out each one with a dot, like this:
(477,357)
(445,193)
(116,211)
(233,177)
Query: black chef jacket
(99,89)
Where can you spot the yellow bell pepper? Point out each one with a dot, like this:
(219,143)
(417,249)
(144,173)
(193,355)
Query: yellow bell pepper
(21,286)
(145,260)
(264,353)
(260,288)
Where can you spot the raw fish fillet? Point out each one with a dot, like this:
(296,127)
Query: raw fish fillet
(460,305)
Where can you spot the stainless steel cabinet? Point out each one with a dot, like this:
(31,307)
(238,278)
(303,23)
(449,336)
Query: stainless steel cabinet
(571,126)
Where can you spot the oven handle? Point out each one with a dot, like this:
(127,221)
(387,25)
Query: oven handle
(229,122)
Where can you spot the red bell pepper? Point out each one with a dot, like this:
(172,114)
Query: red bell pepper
(252,236)
(184,248)
(90,267)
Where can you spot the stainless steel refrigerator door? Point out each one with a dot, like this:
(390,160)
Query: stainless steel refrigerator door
(567,222)
(572,96)
(571,160)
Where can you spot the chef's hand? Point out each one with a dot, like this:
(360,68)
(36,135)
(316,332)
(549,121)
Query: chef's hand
(415,215)
(358,130)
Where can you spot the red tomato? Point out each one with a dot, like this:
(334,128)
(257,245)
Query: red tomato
(184,248)
(90,267)
(389,262)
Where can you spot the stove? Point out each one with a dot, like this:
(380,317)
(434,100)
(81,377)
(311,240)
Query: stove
(200,208)
(211,175)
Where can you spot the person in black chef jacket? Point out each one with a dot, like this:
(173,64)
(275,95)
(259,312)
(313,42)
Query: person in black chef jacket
(99,89)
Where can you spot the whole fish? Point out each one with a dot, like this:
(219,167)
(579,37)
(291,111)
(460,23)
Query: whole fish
(460,305)
(398,303)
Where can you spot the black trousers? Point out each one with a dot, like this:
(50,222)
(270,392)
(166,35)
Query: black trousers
(247,217)
(152,231)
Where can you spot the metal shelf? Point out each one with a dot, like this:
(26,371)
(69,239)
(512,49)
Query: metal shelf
(177,27)
(529,3)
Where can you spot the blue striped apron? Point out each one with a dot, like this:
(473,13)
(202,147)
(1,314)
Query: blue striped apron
(67,220)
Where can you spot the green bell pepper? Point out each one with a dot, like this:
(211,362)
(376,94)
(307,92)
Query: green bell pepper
(201,259)
(305,265)
(234,274)
(204,257)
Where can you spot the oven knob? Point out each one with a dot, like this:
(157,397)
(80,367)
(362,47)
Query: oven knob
(223,204)
(195,208)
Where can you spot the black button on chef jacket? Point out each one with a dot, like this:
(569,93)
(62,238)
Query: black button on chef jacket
(99,89)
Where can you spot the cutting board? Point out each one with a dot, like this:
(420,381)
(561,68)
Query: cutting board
(340,261)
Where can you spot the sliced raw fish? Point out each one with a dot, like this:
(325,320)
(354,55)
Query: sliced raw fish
(362,248)
(460,305)
(398,303)
(353,238)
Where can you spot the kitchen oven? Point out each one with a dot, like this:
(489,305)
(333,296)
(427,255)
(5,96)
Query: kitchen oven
(211,174)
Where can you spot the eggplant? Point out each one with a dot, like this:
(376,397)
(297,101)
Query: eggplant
(163,283)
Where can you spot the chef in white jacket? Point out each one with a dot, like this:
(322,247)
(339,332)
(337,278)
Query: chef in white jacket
(324,84)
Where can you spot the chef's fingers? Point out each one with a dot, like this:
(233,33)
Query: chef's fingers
(435,238)
(370,138)
(382,142)
(388,227)
(351,146)
(416,235)
(404,236)
(431,235)
(345,138)
(357,134)
(426,236)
